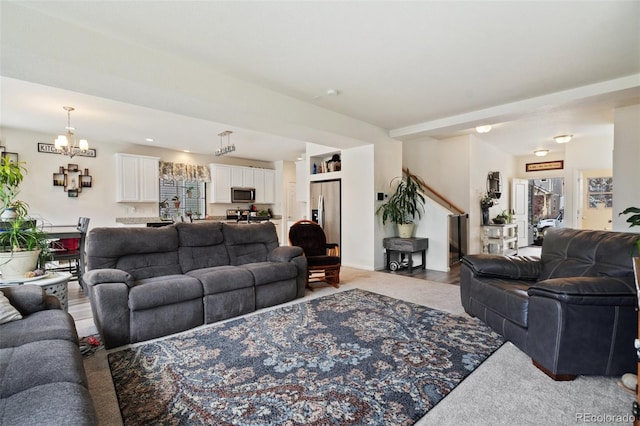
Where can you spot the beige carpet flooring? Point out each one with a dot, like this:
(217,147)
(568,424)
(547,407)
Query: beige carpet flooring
(505,390)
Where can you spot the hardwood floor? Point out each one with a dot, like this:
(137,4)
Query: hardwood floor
(451,277)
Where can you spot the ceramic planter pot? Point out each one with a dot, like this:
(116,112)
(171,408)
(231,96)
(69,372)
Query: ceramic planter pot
(14,265)
(405,230)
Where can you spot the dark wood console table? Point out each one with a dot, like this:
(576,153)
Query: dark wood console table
(406,247)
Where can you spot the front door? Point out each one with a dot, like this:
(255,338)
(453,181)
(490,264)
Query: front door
(520,209)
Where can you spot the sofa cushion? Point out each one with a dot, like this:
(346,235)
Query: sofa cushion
(576,252)
(269,272)
(143,252)
(507,298)
(42,325)
(201,245)
(164,290)
(221,279)
(40,363)
(53,404)
(7,312)
(249,243)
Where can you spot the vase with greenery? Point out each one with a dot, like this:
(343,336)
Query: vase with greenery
(23,244)
(486,202)
(404,205)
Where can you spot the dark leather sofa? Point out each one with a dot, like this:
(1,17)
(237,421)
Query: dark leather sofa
(573,310)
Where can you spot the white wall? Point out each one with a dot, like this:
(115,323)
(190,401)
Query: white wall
(388,165)
(443,165)
(358,243)
(98,202)
(626,165)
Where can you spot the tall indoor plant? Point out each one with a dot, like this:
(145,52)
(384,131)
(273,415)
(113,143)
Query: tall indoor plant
(633,220)
(404,205)
(22,242)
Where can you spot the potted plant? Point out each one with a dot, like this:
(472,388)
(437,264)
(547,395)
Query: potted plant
(404,205)
(633,220)
(176,201)
(164,205)
(11,176)
(502,218)
(22,242)
(23,245)
(189,190)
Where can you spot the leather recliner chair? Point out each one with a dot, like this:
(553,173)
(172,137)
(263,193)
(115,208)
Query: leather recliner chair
(573,310)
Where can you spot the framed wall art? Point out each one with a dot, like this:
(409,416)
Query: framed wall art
(12,156)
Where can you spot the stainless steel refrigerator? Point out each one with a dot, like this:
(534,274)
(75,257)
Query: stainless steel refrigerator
(325,208)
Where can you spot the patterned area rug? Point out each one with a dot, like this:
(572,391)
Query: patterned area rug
(349,358)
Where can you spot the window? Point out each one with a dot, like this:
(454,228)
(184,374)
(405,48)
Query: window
(182,198)
(600,192)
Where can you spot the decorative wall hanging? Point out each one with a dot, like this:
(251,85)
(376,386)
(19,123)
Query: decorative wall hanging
(545,165)
(50,148)
(72,179)
(12,156)
(494,185)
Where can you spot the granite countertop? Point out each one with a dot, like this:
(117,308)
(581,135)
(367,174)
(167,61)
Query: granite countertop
(143,220)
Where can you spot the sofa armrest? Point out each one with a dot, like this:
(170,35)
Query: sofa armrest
(513,267)
(284,253)
(30,298)
(607,291)
(106,276)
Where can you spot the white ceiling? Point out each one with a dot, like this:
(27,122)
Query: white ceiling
(533,69)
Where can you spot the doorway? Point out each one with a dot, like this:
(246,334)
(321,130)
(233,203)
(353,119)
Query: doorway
(546,206)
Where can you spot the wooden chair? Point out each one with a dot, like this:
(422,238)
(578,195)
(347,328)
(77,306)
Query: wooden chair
(323,259)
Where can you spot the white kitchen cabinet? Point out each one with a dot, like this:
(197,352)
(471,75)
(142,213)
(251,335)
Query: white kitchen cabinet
(225,177)
(248,177)
(269,186)
(264,183)
(221,183)
(137,178)
(242,177)
(237,177)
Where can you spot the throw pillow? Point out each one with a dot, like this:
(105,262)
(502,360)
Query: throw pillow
(7,312)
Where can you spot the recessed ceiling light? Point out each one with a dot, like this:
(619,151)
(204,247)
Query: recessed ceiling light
(483,129)
(186,150)
(563,138)
(149,139)
(541,152)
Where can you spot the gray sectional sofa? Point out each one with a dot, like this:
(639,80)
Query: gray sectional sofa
(146,283)
(42,377)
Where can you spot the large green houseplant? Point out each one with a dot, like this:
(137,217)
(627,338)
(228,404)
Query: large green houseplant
(404,205)
(633,220)
(22,242)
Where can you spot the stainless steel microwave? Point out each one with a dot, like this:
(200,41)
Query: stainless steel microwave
(243,195)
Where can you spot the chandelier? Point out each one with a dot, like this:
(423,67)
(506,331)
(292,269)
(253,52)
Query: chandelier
(228,147)
(67,144)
